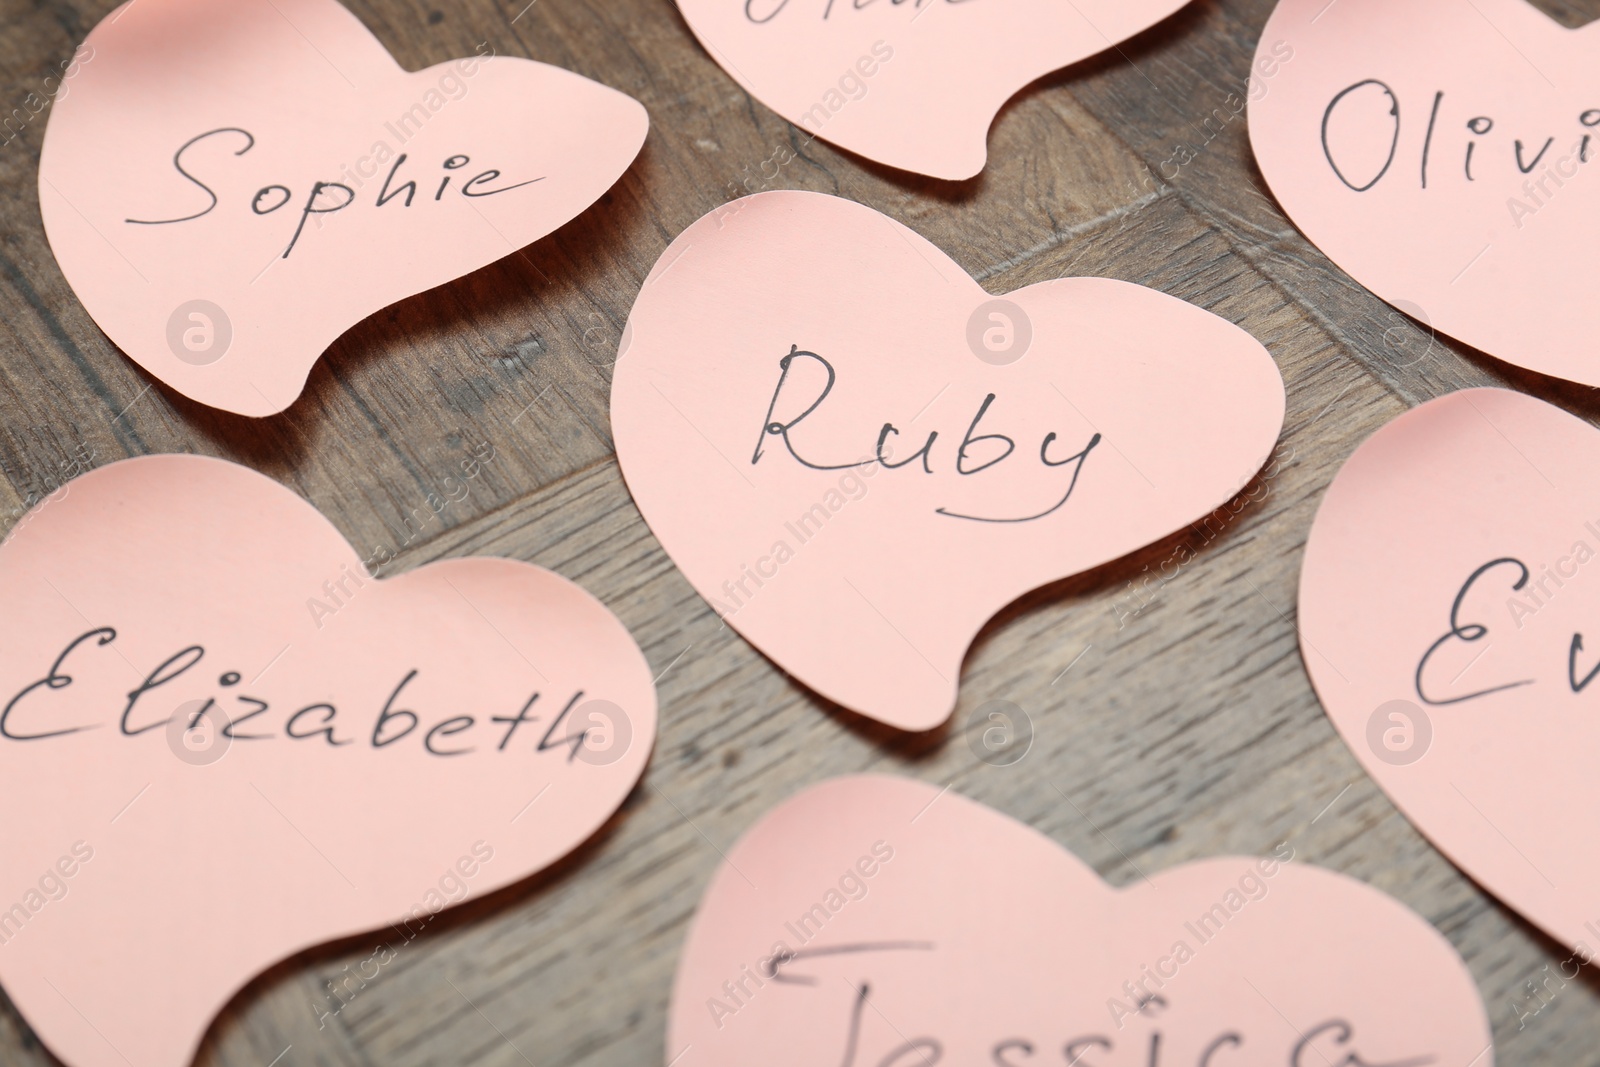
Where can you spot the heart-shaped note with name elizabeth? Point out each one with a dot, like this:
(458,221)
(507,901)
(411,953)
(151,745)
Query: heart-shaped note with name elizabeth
(222,742)
(879,922)
(1450,621)
(858,456)
(228,187)
(912,85)
(1444,153)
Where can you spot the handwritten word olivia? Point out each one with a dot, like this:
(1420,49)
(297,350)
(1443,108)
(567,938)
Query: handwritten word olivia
(318,719)
(52,885)
(964,465)
(852,885)
(325,197)
(1371,106)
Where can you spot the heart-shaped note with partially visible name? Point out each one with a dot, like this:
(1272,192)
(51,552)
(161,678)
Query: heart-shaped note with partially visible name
(228,187)
(221,743)
(1446,153)
(916,85)
(878,922)
(1450,621)
(859,456)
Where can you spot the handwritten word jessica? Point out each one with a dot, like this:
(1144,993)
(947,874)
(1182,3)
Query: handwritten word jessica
(965,463)
(326,197)
(1331,1040)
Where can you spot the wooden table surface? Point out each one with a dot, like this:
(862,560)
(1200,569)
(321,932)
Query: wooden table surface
(1183,732)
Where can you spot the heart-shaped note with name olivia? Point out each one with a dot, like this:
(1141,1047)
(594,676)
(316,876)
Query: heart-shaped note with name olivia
(228,187)
(222,742)
(879,922)
(858,456)
(912,85)
(1448,619)
(1445,154)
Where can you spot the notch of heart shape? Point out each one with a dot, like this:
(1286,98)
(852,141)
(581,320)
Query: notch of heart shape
(858,456)
(1447,620)
(222,742)
(1445,154)
(230,187)
(915,86)
(879,921)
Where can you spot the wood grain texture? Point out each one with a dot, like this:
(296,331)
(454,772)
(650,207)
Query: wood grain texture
(1184,731)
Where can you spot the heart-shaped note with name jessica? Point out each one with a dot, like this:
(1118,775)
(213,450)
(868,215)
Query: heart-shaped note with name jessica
(879,922)
(1444,153)
(859,456)
(1448,621)
(228,187)
(912,85)
(222,742)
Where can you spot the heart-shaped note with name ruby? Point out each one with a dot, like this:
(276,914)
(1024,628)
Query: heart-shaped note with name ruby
(912,85)
(879,922)
(228,187)
(858,456)
(1450,621)
(1446,153)
(222,742)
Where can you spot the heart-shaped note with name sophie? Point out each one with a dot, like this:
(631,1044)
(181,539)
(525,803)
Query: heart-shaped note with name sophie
(1445,154)
(229,187)
(913,85)
(222,742)
(858,456)
(880,922)
(1448,619)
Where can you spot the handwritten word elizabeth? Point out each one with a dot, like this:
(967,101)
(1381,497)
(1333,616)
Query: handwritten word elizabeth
(251,719)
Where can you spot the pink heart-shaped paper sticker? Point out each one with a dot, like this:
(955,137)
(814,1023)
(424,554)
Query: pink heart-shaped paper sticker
(914,86)
(1443,152)
(228,187)
(221,743)
(879,922)
(1447,620)
(785,366)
